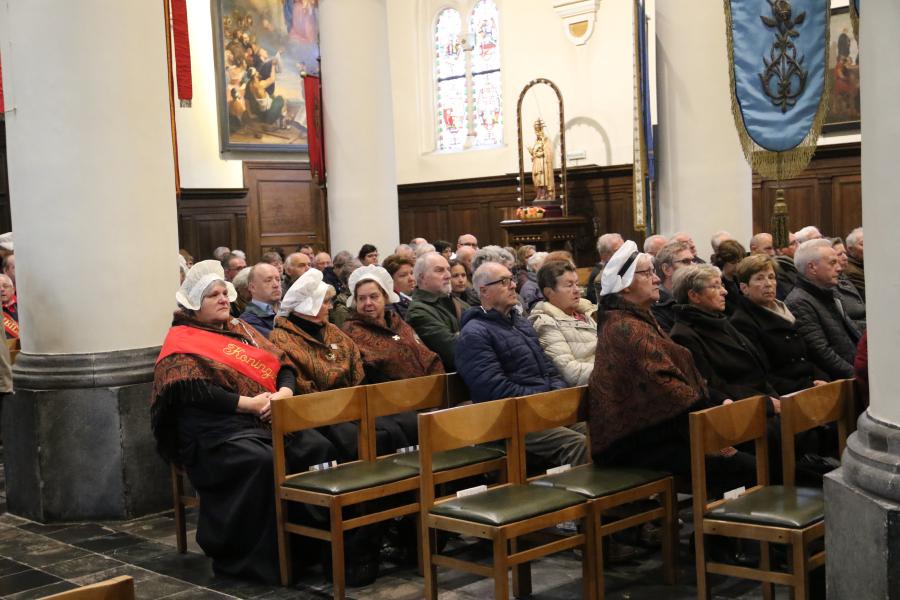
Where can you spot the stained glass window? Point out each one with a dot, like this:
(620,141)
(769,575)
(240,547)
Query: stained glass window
(469,106)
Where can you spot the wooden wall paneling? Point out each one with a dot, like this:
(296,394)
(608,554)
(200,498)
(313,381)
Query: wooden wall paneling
(285,208)
(209,218)
(846,192)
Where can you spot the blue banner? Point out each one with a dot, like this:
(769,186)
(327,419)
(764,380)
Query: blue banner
(778,57)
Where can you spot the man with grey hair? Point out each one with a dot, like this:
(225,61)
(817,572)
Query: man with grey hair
(221,252)
(493,254)
(762,243)
(332,276)
(498,355)
(405,251)
(855,270)
(422,249)
(786,273)
(265,296)
(654,243)
(719,237)
(466,255)
(683,236)
(241,283)
(433,312)
(607,244)
(810,232)
(830,336)
(670,258)
(231,264)
(467,239)
(295,265)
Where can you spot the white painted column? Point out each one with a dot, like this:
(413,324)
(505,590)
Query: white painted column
(705,183)
(880,81)
(359,125)
(90,173)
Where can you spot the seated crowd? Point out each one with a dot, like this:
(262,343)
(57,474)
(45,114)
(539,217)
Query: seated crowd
(659,333)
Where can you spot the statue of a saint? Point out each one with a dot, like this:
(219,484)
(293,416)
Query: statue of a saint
(542,164)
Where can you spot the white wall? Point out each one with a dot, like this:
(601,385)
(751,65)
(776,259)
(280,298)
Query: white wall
(595,81)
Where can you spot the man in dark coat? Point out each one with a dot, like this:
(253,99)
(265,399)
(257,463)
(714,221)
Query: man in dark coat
(265,294)
(855,270)
(670,257)
(607,244)
(498,356)
(786,273)
(830,336)
(433,312)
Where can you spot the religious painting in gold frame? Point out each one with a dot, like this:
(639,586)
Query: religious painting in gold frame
(843,74)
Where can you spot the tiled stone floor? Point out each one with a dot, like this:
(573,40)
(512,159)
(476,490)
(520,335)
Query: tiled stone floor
(41,559)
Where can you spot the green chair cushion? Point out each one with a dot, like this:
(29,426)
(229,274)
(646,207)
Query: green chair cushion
(794,507)
(350,477)
(595,482)
(450,459)
(509,504)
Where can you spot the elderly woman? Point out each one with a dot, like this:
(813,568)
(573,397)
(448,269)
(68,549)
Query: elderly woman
(771,328)
(644,385)
(213,383)
(323,357)
(389,347)
(730,363)
(726,258)
(530,291)
(461,284)
(851,300)
(564,322)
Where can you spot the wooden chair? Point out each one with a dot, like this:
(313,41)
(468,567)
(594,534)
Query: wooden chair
(764,513)
(346,485)
(118,588)
(603,488)
(500,514)
(457,392)
(810,408)
(180,501)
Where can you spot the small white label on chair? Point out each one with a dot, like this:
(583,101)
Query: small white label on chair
(567,526)
(559,469)
(323,466)
(408,449)
(735,493)
(471,491)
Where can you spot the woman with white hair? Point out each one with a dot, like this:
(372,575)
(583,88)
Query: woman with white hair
(530,292)
(213,384)
(644,385)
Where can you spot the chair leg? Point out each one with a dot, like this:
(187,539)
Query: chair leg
(670,535)
(180,526)
(521,574)
(588,559)
(428,543)
(703,592)
(337,552)
(420,545)
(801,577)
(597,567)
(284,544)
(501,569)
(765,564)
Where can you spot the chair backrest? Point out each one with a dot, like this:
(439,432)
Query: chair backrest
(457,390)
(118,588)
(727,425)
(462,426)
(318,409)
(546,410)
(393,397)
(809,408)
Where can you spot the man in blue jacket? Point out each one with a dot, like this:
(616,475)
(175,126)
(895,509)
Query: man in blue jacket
(498,356)
(265,292)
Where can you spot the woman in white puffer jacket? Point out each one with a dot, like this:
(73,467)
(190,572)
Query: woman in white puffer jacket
(564,322)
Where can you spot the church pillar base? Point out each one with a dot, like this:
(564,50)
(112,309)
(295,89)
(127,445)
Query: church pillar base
(862,515)
(77,442)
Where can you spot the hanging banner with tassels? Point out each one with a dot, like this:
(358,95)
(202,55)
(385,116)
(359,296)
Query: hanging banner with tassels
(182,44)
(777,58)
(854,17)
(315,131)
(644,170)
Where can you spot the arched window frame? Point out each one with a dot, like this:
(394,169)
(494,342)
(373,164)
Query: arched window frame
(466,11)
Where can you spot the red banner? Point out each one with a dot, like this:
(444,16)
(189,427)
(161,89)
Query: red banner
(312,89)
(182,44)
(258,365)
(11,326)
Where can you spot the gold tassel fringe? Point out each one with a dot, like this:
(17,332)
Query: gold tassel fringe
(777,165)
(780,224)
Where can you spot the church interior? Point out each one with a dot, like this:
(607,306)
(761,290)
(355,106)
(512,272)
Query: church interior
(611,148)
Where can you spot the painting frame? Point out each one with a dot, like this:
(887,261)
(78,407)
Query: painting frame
(277,122)
(844,97)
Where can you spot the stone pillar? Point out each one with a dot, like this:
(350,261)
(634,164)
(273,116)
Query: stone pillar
(359,125)
(705,183)
(862,498)
(93,209)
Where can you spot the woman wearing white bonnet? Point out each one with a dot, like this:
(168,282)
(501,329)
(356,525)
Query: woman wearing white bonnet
(213,384)
(390,348)
(321,354)
(643,384)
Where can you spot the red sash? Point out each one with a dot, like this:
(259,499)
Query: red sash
(11,326)
(258,365)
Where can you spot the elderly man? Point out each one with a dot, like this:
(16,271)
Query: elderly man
(467,240)
(607,244)
(433,312)
(232,264)
(495,254)
(670,258)
(322,261)
(332,275)
(830,336)
(241,283)
(786,273)
(221,252)
(265,296)
(810,232)
(466,255)
(654,243)
(855,270)
(9,267)
(405,251)
(498,356)
(762,243)
(717,238)
(685,237)
(10,307)
(295,265)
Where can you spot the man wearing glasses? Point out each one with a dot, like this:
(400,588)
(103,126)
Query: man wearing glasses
(498,356)
(670,258)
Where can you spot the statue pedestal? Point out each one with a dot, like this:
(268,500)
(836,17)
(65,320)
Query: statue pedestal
(547,234)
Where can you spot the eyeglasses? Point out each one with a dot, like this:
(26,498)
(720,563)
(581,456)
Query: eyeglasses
(504,281)
(684,261)
(646,272)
